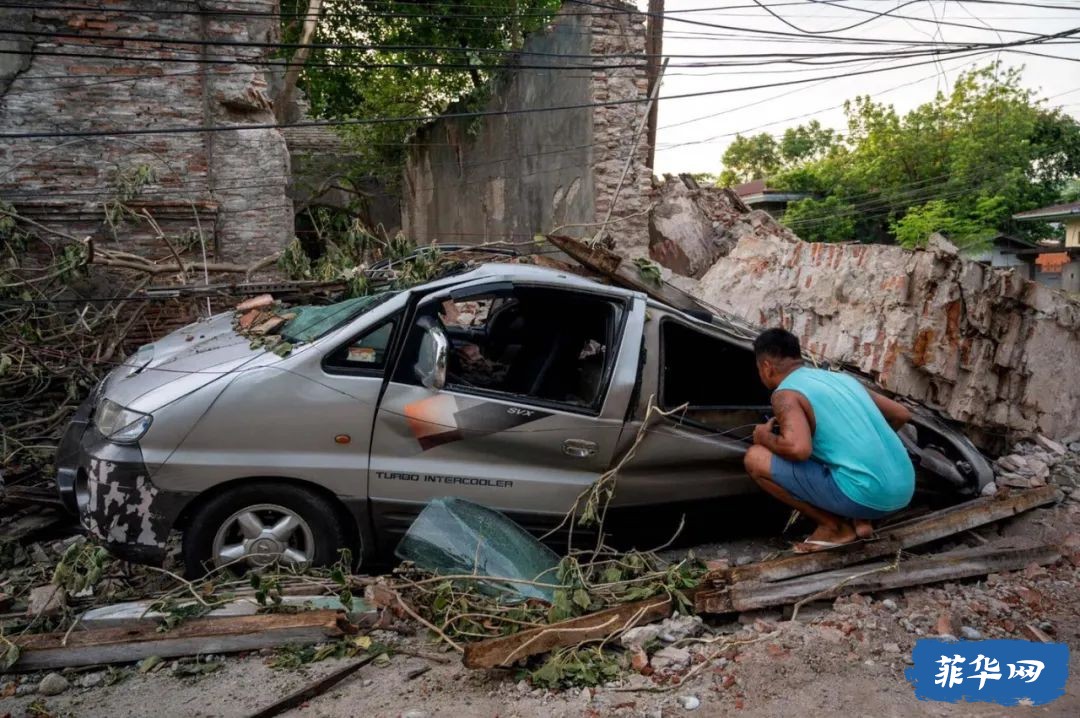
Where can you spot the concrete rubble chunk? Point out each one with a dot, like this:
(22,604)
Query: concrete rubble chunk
(46,601)
(53,685)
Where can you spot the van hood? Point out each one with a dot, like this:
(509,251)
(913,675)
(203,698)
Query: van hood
(180,363)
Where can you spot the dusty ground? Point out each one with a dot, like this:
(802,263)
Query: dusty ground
(845,657)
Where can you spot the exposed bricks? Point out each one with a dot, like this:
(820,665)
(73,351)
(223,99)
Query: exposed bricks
(982,345)
(65,184)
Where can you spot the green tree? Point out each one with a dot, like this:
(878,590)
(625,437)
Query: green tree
(398,75)
(750,158)
(961,165)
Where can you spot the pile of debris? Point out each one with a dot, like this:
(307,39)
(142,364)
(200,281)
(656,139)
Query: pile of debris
(1041,460)
(980,344)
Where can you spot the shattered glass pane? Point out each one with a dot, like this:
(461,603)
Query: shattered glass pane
(312,321)
(454,536)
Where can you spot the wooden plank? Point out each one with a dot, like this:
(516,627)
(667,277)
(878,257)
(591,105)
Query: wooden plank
(907,534)
(855,579)
(610,265)
(503,651)
(198,636)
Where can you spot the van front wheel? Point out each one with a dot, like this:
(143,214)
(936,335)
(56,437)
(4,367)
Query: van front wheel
(255,526)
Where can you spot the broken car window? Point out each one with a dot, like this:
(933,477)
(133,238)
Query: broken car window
(717,380)
(549,345)
(313,321)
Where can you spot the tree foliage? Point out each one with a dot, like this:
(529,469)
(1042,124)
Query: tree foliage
(961,165)
(355,83)
(762,156)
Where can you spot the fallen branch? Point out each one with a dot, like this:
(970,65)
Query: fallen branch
(294,700)
(507,649)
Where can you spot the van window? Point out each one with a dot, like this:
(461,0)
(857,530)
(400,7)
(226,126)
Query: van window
(533,344)
(366,353)
(718,380)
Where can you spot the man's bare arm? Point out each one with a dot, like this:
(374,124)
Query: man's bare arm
(895,413)
(795,440)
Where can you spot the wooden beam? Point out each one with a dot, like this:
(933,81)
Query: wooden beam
(198,636)
(904,535)
(503,651)
(610,265)
(855,579)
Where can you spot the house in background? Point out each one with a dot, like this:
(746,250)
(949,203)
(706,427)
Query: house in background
(1058,266)
(758,195)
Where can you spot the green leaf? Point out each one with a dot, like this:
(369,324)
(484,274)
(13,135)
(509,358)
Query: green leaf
(582,598)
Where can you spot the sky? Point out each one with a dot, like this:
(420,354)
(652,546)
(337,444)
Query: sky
(693,133)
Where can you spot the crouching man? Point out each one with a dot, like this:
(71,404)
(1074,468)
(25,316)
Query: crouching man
(831,449)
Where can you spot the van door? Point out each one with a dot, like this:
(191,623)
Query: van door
(712,387)
(538,380)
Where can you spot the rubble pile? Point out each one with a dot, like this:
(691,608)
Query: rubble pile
(980,344)
(1040,461)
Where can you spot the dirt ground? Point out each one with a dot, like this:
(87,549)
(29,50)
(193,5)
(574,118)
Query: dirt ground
(844,657)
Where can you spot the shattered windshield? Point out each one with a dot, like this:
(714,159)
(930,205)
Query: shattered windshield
(312,321)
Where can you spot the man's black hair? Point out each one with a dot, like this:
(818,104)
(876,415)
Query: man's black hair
(777,344)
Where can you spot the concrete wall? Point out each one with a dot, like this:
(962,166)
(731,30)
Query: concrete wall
(511,176)
(235,181)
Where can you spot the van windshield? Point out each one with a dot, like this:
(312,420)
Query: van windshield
(313,321)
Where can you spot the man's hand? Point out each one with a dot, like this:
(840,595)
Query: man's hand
(762,431)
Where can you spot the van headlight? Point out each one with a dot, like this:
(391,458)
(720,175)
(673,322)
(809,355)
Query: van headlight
(121,425)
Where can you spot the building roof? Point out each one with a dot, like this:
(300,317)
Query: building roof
(1055,211)
(758,191)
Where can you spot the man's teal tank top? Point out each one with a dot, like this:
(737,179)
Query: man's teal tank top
(851,437)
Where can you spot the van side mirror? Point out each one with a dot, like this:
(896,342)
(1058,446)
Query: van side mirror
(430,365)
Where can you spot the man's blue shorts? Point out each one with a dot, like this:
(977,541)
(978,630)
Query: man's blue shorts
(812,482)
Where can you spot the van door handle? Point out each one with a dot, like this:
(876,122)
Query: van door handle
(579,448)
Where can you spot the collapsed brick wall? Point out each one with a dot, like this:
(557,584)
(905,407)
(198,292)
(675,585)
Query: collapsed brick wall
(619,146)
(515,175)
(230,185)
(982,345)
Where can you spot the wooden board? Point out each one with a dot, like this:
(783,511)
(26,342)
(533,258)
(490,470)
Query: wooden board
(198,636)
(914,532)
(503,651)
(950,566)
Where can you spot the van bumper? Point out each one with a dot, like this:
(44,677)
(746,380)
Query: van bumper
(109,486)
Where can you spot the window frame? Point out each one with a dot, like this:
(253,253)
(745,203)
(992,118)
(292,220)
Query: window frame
(618,306)
(360,370)
(662,365)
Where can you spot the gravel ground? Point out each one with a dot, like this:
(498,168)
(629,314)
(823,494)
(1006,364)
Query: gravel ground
(846,656)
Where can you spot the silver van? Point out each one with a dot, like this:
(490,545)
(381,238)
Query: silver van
(510,385)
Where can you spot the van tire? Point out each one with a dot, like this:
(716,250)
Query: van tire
(323,517)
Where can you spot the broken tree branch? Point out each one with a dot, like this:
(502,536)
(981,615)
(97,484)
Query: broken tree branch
(507,649)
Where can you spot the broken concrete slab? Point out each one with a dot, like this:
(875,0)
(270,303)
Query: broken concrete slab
(681,235)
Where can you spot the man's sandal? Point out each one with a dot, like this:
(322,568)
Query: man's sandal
(816,545)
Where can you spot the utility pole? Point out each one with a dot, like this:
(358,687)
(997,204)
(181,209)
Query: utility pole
(654,48)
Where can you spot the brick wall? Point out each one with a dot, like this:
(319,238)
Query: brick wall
(230,185)
(983,345)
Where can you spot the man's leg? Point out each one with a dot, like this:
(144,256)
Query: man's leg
(830,527)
